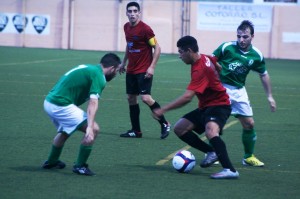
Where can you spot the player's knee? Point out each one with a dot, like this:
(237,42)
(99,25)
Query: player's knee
(248,125)
(178,130)
(147,99)
(132,99)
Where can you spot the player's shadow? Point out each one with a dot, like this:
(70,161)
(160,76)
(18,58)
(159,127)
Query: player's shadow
(36,169)
(170,170)
(145,136)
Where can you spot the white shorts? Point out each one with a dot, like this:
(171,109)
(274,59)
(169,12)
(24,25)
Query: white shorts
(240,103)
(66,118)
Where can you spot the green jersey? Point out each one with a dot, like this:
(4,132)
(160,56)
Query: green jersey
(76,86)
(237,64)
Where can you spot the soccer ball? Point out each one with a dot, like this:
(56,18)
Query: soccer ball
(184,161)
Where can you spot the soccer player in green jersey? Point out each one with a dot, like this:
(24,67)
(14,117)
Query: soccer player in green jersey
(236,59)
(82,83)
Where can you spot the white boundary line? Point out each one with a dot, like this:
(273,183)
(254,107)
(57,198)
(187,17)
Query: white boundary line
(36,62)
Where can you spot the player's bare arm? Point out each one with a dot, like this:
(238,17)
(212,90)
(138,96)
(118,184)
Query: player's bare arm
(156,54)
(122,66)
(177,103)
(91,113)
(265,79)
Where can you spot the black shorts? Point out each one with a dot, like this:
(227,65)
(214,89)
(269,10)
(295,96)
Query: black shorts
(137,84)
(199,117)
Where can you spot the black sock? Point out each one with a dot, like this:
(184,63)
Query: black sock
(162,118)
(194,141)
(221,152)
(134,111)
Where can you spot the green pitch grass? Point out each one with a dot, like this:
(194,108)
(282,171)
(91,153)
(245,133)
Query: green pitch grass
(138,168)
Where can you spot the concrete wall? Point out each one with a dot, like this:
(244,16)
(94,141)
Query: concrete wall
(98,25)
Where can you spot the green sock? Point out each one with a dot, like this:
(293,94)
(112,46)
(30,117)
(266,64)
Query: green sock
(83,155)
(249,139)
(54,154)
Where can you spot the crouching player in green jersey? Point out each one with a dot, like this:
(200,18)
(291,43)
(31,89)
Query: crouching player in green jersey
(82,83)
(235,60)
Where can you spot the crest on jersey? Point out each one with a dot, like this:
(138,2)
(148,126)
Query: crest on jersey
(251,61)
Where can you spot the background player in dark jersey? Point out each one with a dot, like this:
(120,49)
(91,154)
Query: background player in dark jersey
(142,60)
(83,83)
(236,59)
(212,112)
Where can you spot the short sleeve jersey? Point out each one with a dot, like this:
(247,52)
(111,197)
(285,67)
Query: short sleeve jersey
(206,84)
(138,49)
(76,86)
(237,64)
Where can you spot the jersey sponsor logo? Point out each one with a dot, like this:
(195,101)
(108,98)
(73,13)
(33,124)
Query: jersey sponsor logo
(130,48)
(130,44)
(237,68)
(233,66)
(134,51)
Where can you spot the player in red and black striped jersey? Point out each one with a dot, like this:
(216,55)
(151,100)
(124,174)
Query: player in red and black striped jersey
(212,112)
(142,61)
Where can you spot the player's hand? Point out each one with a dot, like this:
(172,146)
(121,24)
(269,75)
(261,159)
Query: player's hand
(149,73)
(89,136)
(121,69)
(272,104)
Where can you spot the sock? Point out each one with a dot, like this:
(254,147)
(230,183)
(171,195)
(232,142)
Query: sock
(162,118)
(249,139)
(221,152)
(54,154)
(83,155)
(134,111)
(194,141)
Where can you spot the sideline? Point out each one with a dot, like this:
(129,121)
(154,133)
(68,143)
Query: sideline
(37,61)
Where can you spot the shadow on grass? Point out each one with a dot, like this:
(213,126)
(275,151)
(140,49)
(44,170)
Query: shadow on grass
(169,170)
(146,136)
(37,169)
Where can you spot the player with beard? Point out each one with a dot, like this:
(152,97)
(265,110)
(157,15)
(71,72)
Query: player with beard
(82,83)
(235,60)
